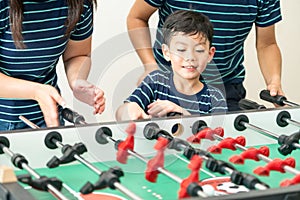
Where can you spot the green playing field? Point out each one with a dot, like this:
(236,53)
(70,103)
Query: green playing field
(76,175)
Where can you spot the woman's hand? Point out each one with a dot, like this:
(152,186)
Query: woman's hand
(90,94)
(48,98)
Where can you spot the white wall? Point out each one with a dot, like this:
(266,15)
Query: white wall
(116,66)
(288,32)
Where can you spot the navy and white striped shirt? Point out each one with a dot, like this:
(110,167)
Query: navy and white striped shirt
(160,85)
(232,20)
(44,37)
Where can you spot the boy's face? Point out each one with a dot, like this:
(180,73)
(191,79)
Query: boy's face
(189,55)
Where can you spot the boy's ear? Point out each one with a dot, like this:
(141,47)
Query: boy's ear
(212,51)
(166,51)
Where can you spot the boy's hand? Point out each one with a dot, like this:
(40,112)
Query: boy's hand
(135,112)
(90,94)
(161,108)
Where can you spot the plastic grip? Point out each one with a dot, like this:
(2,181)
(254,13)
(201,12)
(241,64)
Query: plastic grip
(247,104)
(278,99)
(72,116)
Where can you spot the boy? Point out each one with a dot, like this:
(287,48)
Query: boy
(187,44)
(233,20)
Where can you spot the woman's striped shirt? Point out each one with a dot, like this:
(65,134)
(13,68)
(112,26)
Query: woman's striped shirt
(44,36)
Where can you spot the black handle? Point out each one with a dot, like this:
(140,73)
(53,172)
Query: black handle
(171,114)
(72,116)
(246,104)
(278,99)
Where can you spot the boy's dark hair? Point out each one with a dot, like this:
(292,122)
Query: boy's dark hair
(188,22)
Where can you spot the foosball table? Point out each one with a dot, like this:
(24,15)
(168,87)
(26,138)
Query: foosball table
(238,155)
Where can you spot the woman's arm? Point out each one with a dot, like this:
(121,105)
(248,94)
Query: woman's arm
(46,96)
(77,62)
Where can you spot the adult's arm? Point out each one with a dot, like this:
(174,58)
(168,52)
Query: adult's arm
(77,62)
(139,33)
(269,57)
(46,96)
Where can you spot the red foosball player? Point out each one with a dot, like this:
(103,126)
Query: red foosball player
(128,144)
(206,133)
(227,143)
(275,165)
(251,153)
(194,166)
(156,162)
(293,181)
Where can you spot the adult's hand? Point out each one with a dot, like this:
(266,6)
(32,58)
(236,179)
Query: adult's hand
(48,98)
(89,94)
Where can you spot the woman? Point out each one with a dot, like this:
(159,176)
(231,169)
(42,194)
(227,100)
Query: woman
(33,36)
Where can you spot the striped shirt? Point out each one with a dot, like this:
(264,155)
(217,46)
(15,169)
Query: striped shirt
(160,85)
(43,32)
(232,20)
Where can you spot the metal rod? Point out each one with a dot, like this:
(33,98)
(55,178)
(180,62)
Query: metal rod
(124,190)
(34,126)
(260,130)
(88,164)
(296,145)
(117,185)
(7,150)
(290,103)
(293,122)
(266,133)
(51,189)
(160,169)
